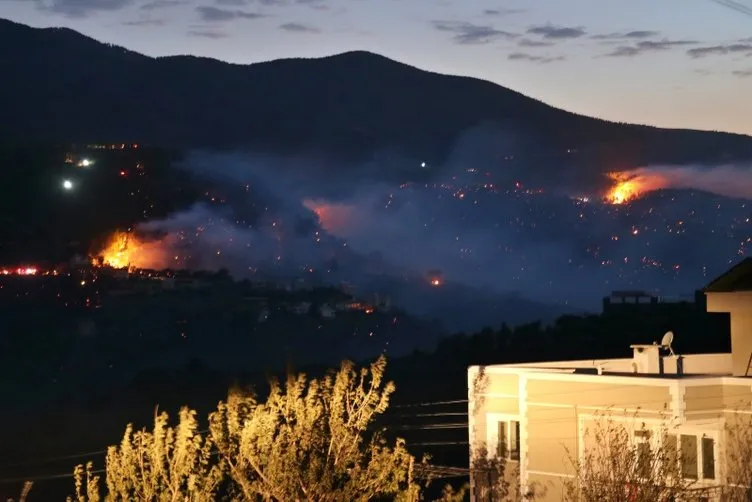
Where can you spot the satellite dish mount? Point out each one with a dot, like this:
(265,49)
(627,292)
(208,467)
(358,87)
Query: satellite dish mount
(666,342)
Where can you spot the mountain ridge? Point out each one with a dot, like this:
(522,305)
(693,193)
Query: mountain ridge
(353,103)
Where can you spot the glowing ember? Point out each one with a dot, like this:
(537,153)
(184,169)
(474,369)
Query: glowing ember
(125,250)
(435,278)
(629,185)
(19,271)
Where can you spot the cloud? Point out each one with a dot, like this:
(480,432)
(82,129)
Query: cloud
(719,50)
(629,35)
(215,14)
(212,34)
(647,46)
(526,42)
(502,12)
(80,8)
(742,73)
(472,34)
(556,32)
(299,28)
(162,4)
(521,56)
(145,22)
(314,4)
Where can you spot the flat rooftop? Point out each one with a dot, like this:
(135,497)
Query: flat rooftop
(693,365)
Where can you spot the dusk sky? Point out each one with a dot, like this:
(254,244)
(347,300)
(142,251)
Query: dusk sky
(676,63)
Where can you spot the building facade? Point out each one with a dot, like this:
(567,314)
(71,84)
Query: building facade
(538,415)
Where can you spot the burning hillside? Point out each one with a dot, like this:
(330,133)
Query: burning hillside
(629,185)
(127,250)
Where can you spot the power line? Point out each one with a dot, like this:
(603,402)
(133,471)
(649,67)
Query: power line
(430,403)
(73,456)
(50,477)
(735,5)
(49,460)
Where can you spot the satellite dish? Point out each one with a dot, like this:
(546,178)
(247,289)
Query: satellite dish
(667,340)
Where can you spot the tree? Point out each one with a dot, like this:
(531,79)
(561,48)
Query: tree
(615,468)
(309,440)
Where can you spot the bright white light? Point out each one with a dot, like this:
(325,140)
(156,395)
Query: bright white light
(67,184)
(86,162)
(422,164)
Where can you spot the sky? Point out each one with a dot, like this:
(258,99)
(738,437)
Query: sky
(670,63)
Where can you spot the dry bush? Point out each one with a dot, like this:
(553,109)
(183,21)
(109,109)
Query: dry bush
(24,492)
(309,441)
(617,469)
(165,464)
(738,445)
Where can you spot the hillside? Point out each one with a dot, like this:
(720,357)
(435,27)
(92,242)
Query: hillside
(67,87)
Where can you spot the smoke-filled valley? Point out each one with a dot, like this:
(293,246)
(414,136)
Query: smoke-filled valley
(502,250)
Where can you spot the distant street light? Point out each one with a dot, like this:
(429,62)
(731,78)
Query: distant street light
(67,185)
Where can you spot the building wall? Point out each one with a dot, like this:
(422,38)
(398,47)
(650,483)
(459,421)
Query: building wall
(557,413)
(713,399)
(739,305)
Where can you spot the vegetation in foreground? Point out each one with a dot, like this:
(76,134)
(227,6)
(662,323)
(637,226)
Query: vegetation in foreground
(625,460)
(311,439)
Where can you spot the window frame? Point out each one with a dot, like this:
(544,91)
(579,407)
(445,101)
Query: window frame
(699,434)
(492,435)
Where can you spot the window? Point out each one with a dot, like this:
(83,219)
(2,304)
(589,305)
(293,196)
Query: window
(671,450)
(642,439)
(509,439)
(695,454)
(708,458)
(688,458)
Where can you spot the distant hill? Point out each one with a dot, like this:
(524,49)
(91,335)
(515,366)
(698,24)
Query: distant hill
(67,87)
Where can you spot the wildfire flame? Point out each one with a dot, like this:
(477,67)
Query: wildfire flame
(630,185)
(126,250)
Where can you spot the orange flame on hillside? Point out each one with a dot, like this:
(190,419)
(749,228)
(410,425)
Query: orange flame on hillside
(630,185)
(125,250)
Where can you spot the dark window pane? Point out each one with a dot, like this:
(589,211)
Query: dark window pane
(688,445)
(643,459)
(671,455)
(502,445)
(514,441)
(708,458)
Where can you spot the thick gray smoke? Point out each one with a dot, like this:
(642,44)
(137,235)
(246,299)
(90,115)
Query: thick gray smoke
(481,229)
(727,180)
